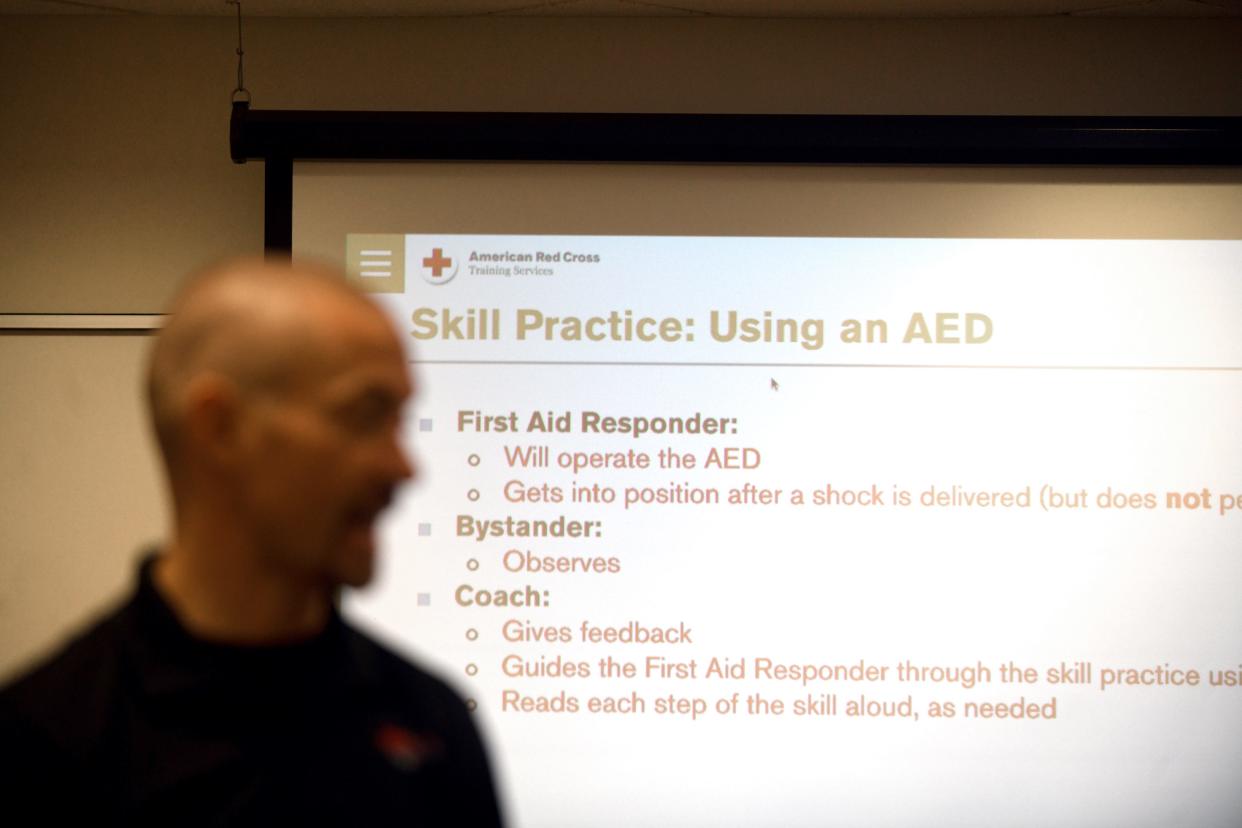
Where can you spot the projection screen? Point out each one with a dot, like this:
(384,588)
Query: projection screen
(796,495)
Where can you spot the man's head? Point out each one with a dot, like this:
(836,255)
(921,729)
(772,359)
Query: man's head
(276,393)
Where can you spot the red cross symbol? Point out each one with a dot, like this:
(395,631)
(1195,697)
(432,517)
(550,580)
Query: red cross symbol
(437,261)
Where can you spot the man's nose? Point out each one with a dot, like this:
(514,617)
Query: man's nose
(403,467)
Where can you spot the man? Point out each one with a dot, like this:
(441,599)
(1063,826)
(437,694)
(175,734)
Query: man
(227,689)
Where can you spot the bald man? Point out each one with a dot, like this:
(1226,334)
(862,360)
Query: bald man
(227,689)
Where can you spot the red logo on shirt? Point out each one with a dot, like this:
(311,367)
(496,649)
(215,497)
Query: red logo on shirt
(405,749)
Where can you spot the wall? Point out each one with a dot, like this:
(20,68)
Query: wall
(117,181)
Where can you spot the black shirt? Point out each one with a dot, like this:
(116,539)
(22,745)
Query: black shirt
(138,722)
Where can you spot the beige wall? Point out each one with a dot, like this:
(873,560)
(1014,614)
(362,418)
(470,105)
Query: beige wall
(117,180)
(79,489)
(114,146)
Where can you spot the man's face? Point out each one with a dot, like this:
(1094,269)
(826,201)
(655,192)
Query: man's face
(321,459)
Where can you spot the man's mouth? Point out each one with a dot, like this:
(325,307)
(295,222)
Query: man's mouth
(364,515)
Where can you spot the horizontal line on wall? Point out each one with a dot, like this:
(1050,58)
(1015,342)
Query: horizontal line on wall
(80,321)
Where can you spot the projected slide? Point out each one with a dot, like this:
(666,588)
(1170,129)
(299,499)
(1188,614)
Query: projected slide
(826,531)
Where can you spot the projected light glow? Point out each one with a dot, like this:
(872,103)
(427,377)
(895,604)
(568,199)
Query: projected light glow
(747,529)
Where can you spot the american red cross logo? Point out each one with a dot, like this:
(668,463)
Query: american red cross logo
(437,261)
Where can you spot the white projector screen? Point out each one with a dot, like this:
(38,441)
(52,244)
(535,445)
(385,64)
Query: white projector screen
(817,496)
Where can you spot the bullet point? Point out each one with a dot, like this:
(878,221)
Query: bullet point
(424,529)
(471,670)
(473,459)
(472,634)
(473,494)
(472,564)
(471,705)
(424,425)
(424,599)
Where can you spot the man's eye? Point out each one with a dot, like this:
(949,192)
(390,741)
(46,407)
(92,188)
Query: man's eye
(365,415)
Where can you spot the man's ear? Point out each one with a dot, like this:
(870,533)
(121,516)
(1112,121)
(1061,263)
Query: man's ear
(214,414)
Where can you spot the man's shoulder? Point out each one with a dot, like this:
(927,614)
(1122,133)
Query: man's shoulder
(62,693)
(83,658)
(382,666)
